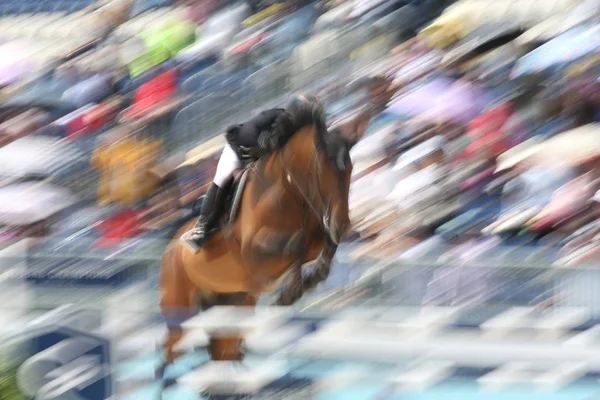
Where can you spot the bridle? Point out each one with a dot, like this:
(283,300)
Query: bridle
(324,215)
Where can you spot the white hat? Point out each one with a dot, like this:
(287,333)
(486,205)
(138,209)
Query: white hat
(517,154)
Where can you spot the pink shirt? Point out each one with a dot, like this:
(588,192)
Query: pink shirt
(200,10)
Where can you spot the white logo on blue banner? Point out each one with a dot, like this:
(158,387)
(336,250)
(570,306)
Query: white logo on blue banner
(66,364)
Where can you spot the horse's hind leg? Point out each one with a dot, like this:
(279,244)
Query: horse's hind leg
(230,347)
(177,304)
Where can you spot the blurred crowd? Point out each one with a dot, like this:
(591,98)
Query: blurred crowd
(485,140)
(488,150)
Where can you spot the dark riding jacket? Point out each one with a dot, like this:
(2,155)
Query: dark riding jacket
(261,135)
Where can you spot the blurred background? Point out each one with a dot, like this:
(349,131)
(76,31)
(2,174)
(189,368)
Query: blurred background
(475,200)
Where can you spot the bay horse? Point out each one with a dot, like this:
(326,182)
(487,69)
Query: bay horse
(293,209)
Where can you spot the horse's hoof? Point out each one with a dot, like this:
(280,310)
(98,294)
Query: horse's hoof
(159,372)
(210,396)
(280,301)
(167,383)
(198,349)
(284,301)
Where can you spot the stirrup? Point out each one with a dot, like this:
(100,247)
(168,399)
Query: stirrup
(187,241)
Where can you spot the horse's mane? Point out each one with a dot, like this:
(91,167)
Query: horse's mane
(307,110)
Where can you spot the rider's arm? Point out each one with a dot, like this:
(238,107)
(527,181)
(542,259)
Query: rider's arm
(266,119)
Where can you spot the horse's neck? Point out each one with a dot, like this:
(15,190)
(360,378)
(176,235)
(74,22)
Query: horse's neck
(299,150)
(291,165)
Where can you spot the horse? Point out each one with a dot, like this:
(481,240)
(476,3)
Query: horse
(292,209)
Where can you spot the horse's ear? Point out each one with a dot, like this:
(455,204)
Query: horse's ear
(363,122)
(353,128)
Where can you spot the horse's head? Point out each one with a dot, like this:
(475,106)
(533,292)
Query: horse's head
(322,167)
(337,166)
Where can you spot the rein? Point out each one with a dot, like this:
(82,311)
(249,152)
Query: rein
(322,216)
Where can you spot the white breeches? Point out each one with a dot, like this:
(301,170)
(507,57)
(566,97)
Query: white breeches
(228,163)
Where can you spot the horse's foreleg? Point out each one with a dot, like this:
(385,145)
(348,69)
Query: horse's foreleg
(320,274)
(322,267)
(269,242)
(272,242)
(298,284)
(293,289)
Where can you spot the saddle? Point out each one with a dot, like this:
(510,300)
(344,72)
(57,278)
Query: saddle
(233,198)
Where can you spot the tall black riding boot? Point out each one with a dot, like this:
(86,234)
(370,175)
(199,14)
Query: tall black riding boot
(210,212)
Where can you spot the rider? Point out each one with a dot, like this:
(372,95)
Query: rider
(246,143)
